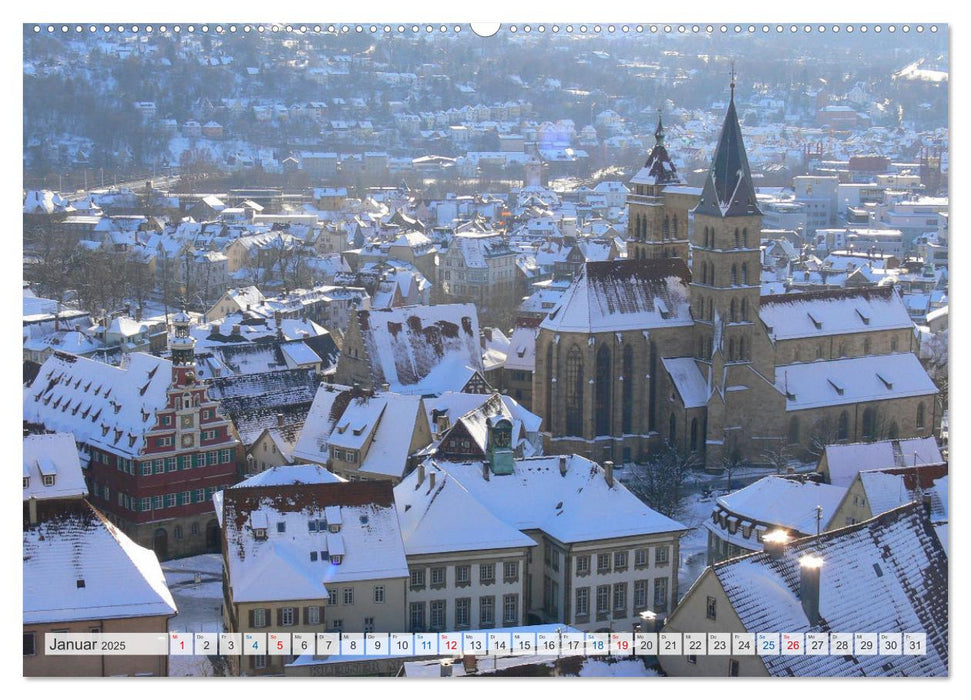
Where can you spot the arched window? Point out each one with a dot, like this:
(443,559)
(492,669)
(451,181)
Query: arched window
(604,379)
(574,392)
(920,415)
(549,386)
(744,309)
(711,311)
(742,349)
(745,238)
(794,431)
(738,239)
(674,227)
(666,225)
(893,344)
(843,430)
(194,529)
(672,430)
(627,391)
(744,273)
(870,423)
(733,312)
(734,274)
(177,532)
(694,434)
(731,349)
(893,432)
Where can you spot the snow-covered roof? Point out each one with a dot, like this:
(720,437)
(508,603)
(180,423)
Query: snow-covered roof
(886,574)
(445,517)
(279,566)
(422,349)
(886,490)
(78,566)
(568,506)
(622,295)
(285,475)
(522,349)
(103,406)
(815,314)
(52,454)
(688,380)
(853,380)
(786,503)
(843,462)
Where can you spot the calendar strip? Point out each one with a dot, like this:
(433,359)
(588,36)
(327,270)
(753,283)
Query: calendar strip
(419,644)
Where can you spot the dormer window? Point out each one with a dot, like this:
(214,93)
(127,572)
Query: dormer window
(259,533)
(26,482)
(336,559)
(334,528)
(49,479)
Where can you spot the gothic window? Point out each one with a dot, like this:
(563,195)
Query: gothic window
(734,274)
(738,239)
(744,273)
(674,227)
(920,415)
(742,349)
(893,344)
(627,390)
(843,430)
(870,423)
(731,349)
(893,432)
(604,379)
(667,225)
(745,238)
(574,392)
(711,311)
(745,309)
(793,430)
(549,385)
(733,312)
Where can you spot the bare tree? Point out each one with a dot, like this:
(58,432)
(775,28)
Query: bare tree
(661,481)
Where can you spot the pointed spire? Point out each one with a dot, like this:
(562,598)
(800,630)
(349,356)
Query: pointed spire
(728,189)
(659,132)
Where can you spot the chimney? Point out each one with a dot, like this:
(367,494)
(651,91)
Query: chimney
(431,481)
(279,420)
(445,668)
(774,543)
(236,329)
(421,473)
(485,471)
(609,473)
(810,568)
(562,465)
(926,502)
(385,386)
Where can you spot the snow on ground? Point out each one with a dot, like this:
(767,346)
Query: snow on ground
(694,544)
(200,605)
(598,668)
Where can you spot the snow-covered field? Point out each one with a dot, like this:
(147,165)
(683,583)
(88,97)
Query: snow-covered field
(196,585)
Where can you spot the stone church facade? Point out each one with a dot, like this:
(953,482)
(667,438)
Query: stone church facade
(675,345)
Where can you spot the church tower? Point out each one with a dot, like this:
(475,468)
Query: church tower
(182,345)
(655,230)
(726,262)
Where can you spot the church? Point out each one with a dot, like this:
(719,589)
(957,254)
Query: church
(675,345)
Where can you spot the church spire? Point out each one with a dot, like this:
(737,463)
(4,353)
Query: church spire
(659,132)
(728,189)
